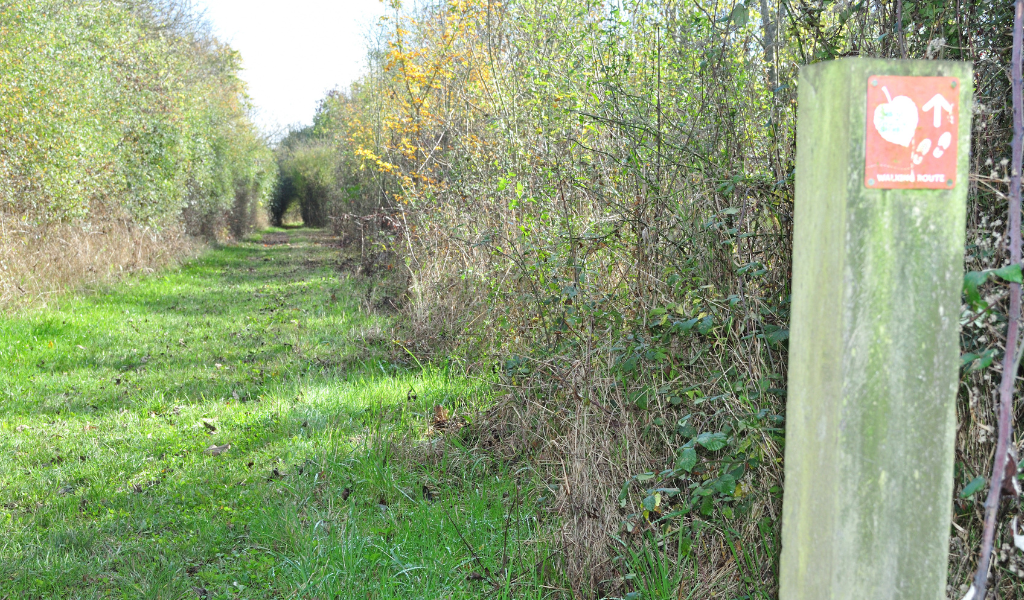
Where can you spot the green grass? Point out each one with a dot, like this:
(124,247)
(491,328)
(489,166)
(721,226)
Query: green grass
(107,406)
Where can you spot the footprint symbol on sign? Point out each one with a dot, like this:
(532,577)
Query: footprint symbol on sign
(918,154)
(944,141)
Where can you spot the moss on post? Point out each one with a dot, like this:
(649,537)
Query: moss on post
(874,351)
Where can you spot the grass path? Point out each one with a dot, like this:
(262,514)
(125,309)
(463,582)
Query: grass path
(329,488)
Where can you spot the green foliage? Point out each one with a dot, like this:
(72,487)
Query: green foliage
(124,109)
(975,279)
(973,487)
(307,176)
(605,193)
(316,173)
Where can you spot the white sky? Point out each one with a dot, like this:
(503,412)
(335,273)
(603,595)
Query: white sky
(295,51)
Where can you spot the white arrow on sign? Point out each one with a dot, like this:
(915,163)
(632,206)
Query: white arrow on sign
(938,103)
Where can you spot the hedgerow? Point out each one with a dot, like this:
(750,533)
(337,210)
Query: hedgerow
(125,110)
(595,199)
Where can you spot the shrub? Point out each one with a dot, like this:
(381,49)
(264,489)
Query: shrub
(123,108)
(596,201)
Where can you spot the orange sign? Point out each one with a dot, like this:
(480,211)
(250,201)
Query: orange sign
(912,132)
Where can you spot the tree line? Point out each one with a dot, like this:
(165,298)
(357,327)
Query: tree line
(128,110)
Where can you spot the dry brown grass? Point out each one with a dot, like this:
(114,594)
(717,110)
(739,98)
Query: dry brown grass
(588,448)
(572,415)
(40,262)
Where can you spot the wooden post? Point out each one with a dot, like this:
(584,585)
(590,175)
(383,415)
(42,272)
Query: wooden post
(881,186)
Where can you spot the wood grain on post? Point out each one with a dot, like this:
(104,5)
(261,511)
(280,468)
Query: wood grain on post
(879,230)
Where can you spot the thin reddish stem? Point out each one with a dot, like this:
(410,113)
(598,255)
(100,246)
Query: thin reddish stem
(1006,386)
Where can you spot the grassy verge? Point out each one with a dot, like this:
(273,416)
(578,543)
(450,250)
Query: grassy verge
(330,487)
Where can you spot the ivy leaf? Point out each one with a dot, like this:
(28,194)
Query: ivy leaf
(502,184)
(706,506)
(644,476)
(705,325)
(975,279)
(971,488)
(775,337)
(657,318)
(681,326)
(641,399)
(983,363)
(624,494)
(656,355)
(972,280)
(713,441)
(651,502)
(684,429)
(726,485)
(977,362)
(687,460)
(1011,273)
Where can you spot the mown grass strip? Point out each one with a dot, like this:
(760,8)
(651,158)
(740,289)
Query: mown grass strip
(240,428)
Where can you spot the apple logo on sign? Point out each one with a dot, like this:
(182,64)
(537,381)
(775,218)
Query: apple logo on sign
(896,120)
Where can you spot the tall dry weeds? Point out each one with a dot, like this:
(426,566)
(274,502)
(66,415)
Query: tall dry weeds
(39,263)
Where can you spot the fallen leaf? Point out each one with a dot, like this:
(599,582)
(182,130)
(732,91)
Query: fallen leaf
(1011,485)
(217,450)
(443,422)
(970,593)
(474,576)
(21,428)
(210,426)
(345,493)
